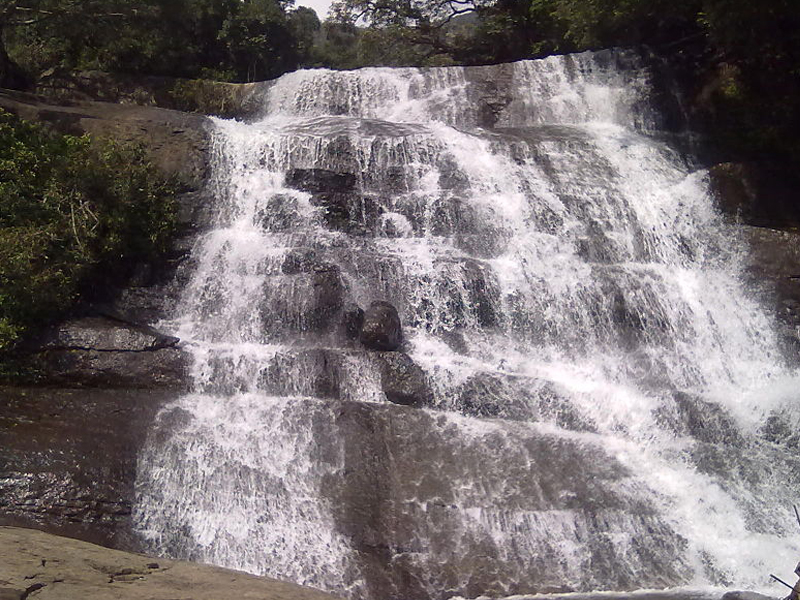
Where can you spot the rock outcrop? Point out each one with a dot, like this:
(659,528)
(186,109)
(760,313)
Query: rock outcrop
(68,459)
(334,193)
(101,351)
(381,329)
(68,455)
(38,565)
(176,142)
(764,203)
(191,95)
(774,264)
(402,380)
(755,194)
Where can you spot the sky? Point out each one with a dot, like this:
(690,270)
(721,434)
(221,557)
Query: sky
(321,6)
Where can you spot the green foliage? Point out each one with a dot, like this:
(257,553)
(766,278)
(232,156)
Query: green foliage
(237,40)
(72,214)
(305,26)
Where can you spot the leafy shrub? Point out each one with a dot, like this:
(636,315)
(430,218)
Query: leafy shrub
(72,211)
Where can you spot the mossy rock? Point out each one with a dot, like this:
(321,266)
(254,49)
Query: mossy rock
(214,97)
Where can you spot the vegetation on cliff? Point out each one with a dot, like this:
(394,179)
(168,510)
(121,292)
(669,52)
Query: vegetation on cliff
(229,40)
(740,60)
(74,216)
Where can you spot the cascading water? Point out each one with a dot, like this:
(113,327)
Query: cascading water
(604,402)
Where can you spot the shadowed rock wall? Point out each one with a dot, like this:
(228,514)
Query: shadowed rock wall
(68,453)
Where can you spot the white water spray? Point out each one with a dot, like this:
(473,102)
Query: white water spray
(601,381)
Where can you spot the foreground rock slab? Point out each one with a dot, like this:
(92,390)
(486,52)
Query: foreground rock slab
(38,565)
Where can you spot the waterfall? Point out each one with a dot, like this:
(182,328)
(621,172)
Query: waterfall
(605,405)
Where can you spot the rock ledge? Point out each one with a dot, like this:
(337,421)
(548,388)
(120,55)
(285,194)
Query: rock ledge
(39,565)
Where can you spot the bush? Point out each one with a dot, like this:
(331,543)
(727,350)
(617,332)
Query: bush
(72,211)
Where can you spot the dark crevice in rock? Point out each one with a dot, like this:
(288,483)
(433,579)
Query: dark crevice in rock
(29,590)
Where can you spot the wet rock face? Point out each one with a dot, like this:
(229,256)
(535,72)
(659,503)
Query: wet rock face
(391,504)
(381,329)
(317,181)
(104,352)
(69,459)
(402,380)
(774,264)
(704,421)
(280,214)
(316,295)
(334,193)
(348,212)
(756,194)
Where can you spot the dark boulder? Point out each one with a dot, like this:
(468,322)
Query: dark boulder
(320,180)
(353,321)
(381,329)
(104,352)
(755,193)
(403,381)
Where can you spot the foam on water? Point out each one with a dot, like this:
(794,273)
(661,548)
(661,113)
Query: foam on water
(564,281)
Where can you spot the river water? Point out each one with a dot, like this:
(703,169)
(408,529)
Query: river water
(608,406)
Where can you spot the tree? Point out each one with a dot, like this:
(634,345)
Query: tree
(220,39)
(306,28)
(68,26)
(259,40)
(426,25)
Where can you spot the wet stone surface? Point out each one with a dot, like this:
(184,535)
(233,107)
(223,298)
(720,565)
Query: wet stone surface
(68,459)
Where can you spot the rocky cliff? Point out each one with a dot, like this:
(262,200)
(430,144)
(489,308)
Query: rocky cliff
(68,453)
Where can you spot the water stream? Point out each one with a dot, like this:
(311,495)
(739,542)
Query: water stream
(606,398)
